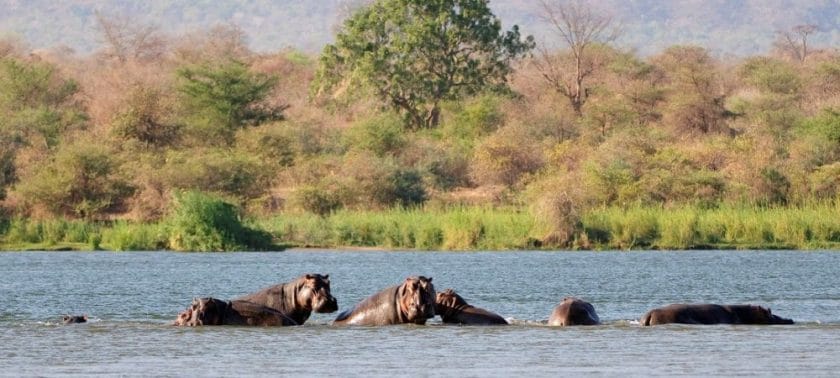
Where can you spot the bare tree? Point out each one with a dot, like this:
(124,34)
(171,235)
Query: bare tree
(125,40)
(579,27)
(794,42)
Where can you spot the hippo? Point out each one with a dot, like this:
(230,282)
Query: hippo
(412,302)
(452,308)
(298,298)
(711,314)
(212,311)
(573,311)
(74,319)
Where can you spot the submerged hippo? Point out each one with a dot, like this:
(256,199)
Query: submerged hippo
(452,308)
(711,314)
(74,319)
(413,301)
(212,311)
(573,311)
(297,299)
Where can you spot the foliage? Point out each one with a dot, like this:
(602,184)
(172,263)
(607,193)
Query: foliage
(199,222)
(417,54)
(36,102)
(81,180)
(382,135)
(222,98)
(148,118)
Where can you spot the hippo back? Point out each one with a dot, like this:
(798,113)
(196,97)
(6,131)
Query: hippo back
(298,298)
(708,313)
(573,311)
(452,308)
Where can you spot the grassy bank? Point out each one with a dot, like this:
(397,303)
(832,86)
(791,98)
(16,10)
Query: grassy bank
(474,228)
(815,226)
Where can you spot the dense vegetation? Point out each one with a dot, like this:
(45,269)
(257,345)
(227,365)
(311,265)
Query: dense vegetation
(198,143)
(739,27)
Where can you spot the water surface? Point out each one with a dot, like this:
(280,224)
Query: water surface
(132,298)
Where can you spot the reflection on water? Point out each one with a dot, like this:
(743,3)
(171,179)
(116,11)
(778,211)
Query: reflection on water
(131,298)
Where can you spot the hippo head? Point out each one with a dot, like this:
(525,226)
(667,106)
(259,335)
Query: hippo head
(763,315)
(72,319)
(206,311)
(418,299)
(315,295)
(447,301)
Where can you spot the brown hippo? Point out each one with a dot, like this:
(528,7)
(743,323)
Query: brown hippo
(74,319)
(413,301)
(297,299)
(452,308)
(711,314)
(212,311)
(573,311)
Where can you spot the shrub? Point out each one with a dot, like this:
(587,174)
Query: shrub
(200,222)
(81,180)
(382,135)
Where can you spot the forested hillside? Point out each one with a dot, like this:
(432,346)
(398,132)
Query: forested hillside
(729,27)
(438,111)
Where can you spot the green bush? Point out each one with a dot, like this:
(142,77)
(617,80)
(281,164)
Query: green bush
(200,222)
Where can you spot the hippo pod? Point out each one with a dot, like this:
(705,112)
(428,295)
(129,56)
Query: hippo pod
(212,311)
(453,309)
(412,302)
(297,299)
(74,319)
(573,311)
(711,314)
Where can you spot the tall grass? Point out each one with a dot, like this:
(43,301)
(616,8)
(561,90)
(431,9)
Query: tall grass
(462,228)
(810,226)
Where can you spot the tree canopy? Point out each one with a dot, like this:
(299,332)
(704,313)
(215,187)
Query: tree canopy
(416,54)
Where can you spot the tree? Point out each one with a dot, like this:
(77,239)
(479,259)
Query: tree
(579,28)
(125,40)
(794,42)
(695,91)
(223,98)
(81,179)
(415,54)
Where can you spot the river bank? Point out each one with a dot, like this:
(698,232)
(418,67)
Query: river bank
(811,227)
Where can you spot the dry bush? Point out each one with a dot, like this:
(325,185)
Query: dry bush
(219,43)
(558,202)
(505,157)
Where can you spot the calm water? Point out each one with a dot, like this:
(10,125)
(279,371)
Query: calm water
(132,298)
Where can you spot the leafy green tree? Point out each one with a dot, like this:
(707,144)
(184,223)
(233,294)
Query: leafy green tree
(79,180)
(36,105)
(415,54)
(222,98)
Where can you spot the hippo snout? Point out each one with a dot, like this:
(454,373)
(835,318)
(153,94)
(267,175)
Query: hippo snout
(775,319)
(327,305)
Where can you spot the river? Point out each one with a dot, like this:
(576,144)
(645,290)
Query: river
(131,299)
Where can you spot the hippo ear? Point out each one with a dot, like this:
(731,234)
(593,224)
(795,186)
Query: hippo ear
(326,276)
(430,279)
(309,276)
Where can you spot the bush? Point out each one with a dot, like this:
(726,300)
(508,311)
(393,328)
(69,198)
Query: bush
(318,200)
(382,135)
(200,222)
(81,180)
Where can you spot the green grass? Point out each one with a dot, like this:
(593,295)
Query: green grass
(811,226)
(462,228)
(808,227)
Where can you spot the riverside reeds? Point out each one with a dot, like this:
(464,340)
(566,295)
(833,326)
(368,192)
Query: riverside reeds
(810,226)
